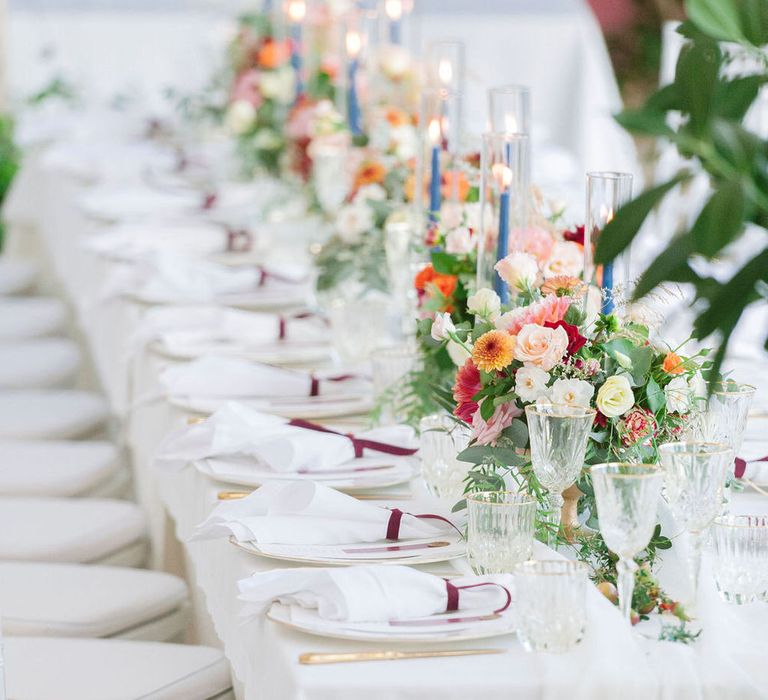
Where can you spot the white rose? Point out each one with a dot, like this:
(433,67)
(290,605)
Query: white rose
(484,303)
(405,141)
(451,215)
(678,394)
(442,326)
(394,61)
(459,241)
(458,353)
(370,192)
(540,346)
(615,397)
(240,116)
(567,258)
(518,270)
(352,221)
(531,383)
(279,85)
(572,392)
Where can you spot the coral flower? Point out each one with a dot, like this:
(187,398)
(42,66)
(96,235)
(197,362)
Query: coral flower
(370,172)
(424,277)
(454,185)
(562,286)
(466,386)
(493,351)
(551,308)
(446,284)
(273,54)
(673,364)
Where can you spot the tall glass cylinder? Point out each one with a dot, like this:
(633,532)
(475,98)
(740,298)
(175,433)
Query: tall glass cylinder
(394,24)
(509,109)
(504,188)
(607,192)
(438,169)
(444,65)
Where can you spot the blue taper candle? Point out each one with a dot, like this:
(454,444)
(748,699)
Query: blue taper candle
(434,185)
(607,285)
(502,289)
(353,105)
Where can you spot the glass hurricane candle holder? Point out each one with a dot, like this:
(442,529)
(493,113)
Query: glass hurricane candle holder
(444,65)
(500,530)
(627,497)
(504,193)
(509,109)
(392,366)
(740,557)
(558,438)
(694,479)
(442,439)
(606,193)
(551,601)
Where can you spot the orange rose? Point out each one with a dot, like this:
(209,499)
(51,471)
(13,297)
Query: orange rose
(673,364)
(446,284)
(370,172)
(454,181)
(424,277)
(273,54)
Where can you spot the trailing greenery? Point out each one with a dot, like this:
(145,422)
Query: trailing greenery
(9,163)
(702,112)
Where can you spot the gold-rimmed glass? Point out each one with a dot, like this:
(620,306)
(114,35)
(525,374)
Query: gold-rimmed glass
(500,530)
(558,436)
(627,497)
(694,479)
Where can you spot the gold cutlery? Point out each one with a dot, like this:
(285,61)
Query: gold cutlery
(396,548)
(235,495)
(392,655)
(232,495)
(195,420)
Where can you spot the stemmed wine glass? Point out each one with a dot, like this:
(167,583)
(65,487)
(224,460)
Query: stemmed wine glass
(627,496)
(694,477)
(558,437)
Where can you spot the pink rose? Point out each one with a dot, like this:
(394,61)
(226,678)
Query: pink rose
(534,241)
(638,425)
(541,347)
(487,433)
(246,88)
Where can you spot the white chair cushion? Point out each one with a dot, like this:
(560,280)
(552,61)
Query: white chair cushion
(77,600)
(67,530)
(41,363)
(16,275)
(55,467)
(50,414)
(31,317)
(107,669)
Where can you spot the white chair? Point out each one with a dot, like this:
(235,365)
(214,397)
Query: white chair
(42,363)
(31,317)
(50,414)
(16,275)
(61,468)
(79,530)
(112,669)
(78,600)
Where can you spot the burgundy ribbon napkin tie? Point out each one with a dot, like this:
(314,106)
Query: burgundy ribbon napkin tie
(239,240)
(396,516)
(209,201)
(453,595)
(283,324)
(314,385)
(359,444)
(740,465)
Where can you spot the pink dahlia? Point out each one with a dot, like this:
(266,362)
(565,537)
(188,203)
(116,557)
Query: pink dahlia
(488,432)
(550,309)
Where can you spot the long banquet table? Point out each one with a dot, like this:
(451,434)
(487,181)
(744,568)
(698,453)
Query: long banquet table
(727,663)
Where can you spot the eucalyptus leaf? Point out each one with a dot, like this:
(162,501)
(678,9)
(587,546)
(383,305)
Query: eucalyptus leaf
(716,18)
(656,397)
(721,219)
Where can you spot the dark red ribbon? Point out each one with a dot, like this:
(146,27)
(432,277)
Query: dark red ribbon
(453,594)
(239,240)
(314,383)
(265,275)
(396,517)
(283,322)
(359,444)
(740,465)
(209,201)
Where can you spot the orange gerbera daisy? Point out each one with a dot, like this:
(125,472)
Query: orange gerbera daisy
(370,172)
(454,184)
(673,364)
(494,350)
(273,54)
(562,286)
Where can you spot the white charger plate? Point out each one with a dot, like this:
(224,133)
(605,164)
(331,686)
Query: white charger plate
(276,353)
(443,546)
(310,622)
(308,408)
(243,472)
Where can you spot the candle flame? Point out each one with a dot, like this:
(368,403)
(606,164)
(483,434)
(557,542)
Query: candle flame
(394,9)
(354,43)
(502,174)
(445,71)
(297,9)
(434,131)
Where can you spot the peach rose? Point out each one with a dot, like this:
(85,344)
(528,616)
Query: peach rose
(541,347)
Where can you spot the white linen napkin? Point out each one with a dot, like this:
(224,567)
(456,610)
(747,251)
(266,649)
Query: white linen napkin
(370,593)
(230,377)
(308,513)
(236,429)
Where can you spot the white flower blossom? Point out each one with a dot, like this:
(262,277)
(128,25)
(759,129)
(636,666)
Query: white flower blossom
(531,383)
(572,392)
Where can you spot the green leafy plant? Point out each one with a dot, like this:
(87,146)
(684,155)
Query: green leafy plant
(702,112)
(9,162)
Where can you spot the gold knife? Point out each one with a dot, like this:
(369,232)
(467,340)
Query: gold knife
(392,655)
(234,495)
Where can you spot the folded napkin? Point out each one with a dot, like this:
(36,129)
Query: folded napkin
(277,444)
(113,203)
(374,593)
(308,513)
(168,278)
(230,377)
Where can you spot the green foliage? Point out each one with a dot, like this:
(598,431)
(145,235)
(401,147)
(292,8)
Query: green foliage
(711,134)
(9,162)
